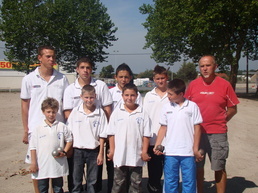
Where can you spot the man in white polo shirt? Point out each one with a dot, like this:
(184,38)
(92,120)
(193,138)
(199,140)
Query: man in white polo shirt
(41,83)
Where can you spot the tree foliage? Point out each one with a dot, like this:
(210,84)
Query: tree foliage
(107,72)
(146,74)
(193,28)
(75,28)
(187,72)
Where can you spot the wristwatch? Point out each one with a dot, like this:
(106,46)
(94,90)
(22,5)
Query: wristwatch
(64,152)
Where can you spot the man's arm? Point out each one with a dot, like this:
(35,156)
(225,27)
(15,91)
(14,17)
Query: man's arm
(231,111)
(25,104)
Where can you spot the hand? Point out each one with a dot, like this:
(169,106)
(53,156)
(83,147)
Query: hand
(33,168)
(145,157)
(198,156)
(157,152)
(25,138)
(110,155)
(100,159)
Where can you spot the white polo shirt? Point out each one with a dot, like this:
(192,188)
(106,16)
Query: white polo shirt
(44,140)
(87,128)
(117,97)
(180,121)
(73,92)
(37,89)
(129,130)
(153,104)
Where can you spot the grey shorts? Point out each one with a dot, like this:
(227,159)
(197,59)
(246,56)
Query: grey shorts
(217,148)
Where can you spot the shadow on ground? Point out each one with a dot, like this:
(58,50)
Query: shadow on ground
(234,185)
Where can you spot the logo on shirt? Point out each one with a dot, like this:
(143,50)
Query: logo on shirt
(95,123)
(189,114)
(151,101)
(169,112)
(36,86)
(42,136)
(207,93)
(59,134)
(139,120)
(76,97)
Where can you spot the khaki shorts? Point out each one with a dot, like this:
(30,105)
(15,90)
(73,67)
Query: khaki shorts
(217,148)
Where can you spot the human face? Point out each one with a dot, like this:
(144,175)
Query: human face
(84,70)
(129,97)
(50,115)
(175,98)
(88,99)
(123,77)
(207,67)
(161,80)
(47,58)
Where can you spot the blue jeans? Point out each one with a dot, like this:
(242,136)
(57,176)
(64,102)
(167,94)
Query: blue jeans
(82,157)
(171,173)
(57,184)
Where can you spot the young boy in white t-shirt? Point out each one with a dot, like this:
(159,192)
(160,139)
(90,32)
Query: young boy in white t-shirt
(46,138)
(129,132)
(88,125)
(152,104)
(180,122)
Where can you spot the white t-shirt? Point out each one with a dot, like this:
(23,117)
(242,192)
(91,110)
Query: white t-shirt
(44,140)
(87,128)
(128,130)
(180,121)
(73,92)
(153,104)
(37,89)
(117,97)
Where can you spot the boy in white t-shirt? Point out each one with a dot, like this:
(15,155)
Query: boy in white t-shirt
(180,122)
(88,125)
(129,132)
(152,104)
(46,138)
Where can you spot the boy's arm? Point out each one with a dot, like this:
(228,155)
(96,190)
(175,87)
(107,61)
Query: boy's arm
(34,165)
(101,151)
(110,154)
(146,142)
(67,113)
(161,134)
(197,138)
(108,110)
(25,104)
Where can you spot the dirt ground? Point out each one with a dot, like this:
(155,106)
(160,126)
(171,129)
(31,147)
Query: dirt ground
(242,164)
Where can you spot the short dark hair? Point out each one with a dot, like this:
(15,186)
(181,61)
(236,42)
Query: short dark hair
(130,86)
(88,88)
(125,67)
(177,85)
(160,70)
(51,103)
(41,48)
(85,60)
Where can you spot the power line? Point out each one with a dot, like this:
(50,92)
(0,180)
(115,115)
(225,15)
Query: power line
(131,54)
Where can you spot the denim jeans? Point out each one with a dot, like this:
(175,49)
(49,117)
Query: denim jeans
(57,184)
(82,157)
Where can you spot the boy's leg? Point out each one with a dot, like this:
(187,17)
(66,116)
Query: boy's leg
(57,184)
(43,185)
(36,186)
(70,176)
(135,179)
(155,170)
(78,166)
(99,179)
(188,169)
(92,169)
(120,179)
(171,173)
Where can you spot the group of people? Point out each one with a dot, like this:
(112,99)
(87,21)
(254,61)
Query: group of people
(85,123)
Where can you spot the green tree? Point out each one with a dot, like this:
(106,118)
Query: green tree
(75,28)
(193,28)
(187,72)
(107,72)
(146,74)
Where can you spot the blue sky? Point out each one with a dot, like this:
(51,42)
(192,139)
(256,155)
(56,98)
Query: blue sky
(126,16)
